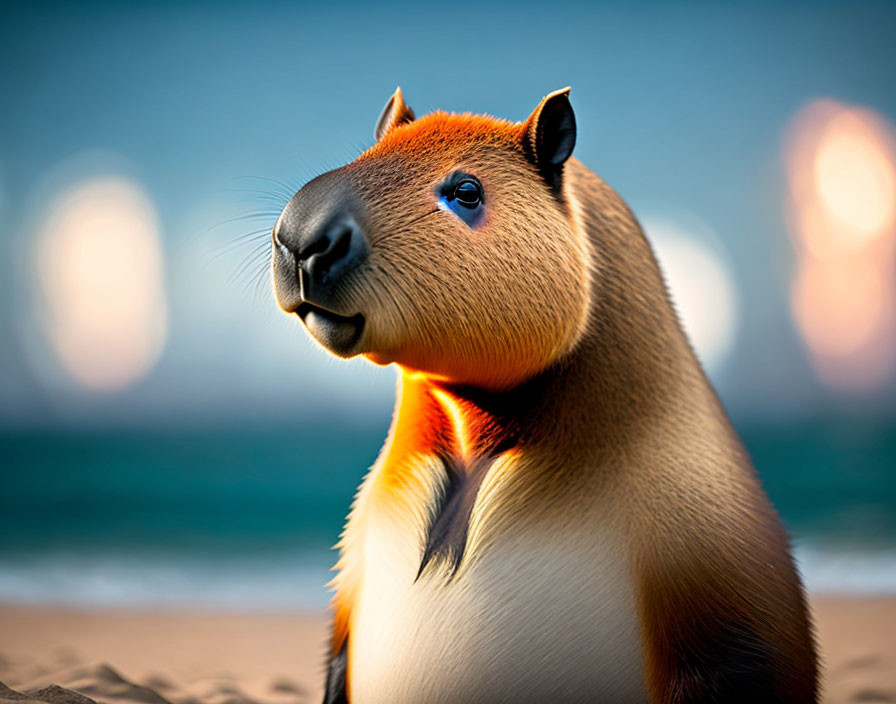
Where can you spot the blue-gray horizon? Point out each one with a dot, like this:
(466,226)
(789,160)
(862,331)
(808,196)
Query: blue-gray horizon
(682,109)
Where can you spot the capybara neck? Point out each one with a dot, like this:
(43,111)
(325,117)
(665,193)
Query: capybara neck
(630,365)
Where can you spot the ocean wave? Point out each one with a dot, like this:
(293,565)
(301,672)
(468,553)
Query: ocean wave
(288,582)
(847,570)
(298,581)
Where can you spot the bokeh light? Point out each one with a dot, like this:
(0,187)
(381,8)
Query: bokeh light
(701,285)
(854,176)
(100,270)
(842,174)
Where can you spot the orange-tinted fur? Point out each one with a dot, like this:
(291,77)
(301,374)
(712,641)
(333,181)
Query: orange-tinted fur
(490,350)
(546,338)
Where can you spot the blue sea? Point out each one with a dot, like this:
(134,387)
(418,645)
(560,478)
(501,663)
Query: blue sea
(245,519)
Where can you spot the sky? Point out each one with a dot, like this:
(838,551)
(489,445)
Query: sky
(181,111)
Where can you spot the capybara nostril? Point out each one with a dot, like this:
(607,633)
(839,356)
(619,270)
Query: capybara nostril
(331,254)
(311,262)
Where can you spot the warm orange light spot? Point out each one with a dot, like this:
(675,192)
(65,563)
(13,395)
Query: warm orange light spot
(839,309)
(854,177)
(842,173)
(458,423)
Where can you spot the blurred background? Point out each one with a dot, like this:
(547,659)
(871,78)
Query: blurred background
(167,436)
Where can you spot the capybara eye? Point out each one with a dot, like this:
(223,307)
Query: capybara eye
(462,194)
(468,193)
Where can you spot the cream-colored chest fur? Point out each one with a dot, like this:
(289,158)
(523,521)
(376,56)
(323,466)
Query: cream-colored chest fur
(537,614)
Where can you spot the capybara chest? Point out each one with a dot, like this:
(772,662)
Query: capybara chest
(534,617)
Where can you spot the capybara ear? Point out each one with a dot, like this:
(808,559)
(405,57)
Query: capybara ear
(550,135)
(394,114)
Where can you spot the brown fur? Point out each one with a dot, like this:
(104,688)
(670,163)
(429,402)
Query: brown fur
(546,339)
(466,305)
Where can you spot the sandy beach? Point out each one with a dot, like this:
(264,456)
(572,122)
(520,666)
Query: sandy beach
(49,654)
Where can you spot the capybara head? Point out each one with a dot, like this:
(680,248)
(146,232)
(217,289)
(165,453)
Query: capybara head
(448,247)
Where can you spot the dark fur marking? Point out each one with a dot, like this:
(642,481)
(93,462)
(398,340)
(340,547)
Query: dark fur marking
(734,664)
(447,536)
(335,689)
(716,639)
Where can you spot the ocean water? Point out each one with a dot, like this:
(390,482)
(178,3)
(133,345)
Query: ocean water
(237,518)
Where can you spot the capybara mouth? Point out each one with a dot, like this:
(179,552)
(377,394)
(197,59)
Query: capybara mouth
(338,333)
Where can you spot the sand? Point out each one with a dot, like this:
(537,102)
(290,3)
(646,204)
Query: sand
(67,656)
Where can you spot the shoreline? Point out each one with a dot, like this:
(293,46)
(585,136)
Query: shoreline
(186,655)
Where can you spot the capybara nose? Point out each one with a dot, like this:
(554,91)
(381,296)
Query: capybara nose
(328,256)
(322,257)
